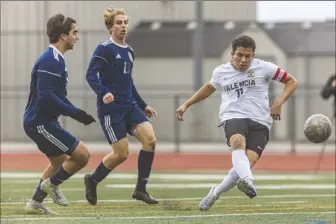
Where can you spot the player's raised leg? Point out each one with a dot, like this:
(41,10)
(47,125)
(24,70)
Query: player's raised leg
(144,132)
(236,131)
(256,141)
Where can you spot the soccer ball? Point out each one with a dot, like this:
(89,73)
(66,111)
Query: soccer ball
(317,128)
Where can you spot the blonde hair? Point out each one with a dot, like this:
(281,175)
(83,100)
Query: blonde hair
(109,15)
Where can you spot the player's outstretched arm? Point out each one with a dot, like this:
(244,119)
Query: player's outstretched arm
(290,86)
(46,86)
(80,115)
(203,93)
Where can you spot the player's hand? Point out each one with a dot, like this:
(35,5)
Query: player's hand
(180,111)
(333,84)
(150,112)
(84,118)
(276,110)
(108,98)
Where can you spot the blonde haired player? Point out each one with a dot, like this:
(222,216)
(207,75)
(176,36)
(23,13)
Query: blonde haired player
(244,112)
(120,108)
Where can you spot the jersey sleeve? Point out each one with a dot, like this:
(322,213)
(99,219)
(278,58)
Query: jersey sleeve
(214,81)
(98,61)
(138,98)
(49,74)
(274,72)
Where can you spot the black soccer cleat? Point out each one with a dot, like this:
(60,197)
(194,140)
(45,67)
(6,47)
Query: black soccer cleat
(90,189)
(145,197)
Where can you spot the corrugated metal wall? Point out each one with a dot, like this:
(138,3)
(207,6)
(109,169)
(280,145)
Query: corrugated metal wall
(23,25)
(32,15)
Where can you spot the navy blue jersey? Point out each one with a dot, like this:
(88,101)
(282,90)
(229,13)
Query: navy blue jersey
(110,70)
(47,98)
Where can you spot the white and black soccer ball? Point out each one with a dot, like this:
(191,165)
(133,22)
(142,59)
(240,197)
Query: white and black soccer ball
(317,128)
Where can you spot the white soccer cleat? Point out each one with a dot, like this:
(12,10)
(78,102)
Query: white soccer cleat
(34,207)
(246,188)
(55,192)
(209,200)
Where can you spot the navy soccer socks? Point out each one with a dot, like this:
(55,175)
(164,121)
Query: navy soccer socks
(145,161)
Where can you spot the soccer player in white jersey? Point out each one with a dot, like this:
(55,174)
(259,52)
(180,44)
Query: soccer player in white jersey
(244,112)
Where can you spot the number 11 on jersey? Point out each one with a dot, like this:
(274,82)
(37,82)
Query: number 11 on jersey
(240,92)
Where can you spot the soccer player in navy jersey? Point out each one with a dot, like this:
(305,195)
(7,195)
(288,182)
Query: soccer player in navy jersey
(120,108)
(47,101)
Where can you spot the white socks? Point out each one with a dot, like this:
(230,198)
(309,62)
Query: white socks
(229,182)
(242,165)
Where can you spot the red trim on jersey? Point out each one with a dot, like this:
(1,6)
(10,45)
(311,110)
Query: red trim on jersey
(276,74)
(283,77)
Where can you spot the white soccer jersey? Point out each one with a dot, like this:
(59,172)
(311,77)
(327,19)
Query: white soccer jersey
(245,94)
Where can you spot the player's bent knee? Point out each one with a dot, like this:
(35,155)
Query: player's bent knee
(237,141)
(81,155)
(122,155)
(120,150)
(150,143)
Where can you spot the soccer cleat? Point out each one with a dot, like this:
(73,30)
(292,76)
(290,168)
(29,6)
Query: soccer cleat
(90,189)
(55,192)
(209,200)
(245,187)
(34,207)
(145,197)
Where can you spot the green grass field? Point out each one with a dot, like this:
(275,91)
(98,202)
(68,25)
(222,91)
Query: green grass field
(282,198)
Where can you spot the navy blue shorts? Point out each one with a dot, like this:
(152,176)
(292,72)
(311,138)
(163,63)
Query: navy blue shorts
(52,139)
(116,125)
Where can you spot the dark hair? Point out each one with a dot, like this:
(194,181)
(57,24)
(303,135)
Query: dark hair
(243,41)
(58,25)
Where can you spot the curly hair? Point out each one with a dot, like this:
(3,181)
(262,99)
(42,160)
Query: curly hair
(109,15)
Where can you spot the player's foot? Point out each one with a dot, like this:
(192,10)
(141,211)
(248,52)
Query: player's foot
(209,200)
(247,188)
(34,207)
(55,192)
(145,197)
(90,189)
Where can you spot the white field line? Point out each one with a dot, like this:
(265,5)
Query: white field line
(188,199)
(209,185)
(167,217)
(21,175)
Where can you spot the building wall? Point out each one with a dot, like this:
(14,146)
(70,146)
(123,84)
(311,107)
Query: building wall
(32,15)
(24,38)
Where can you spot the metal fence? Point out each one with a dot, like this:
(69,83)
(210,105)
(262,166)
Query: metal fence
(202,128)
